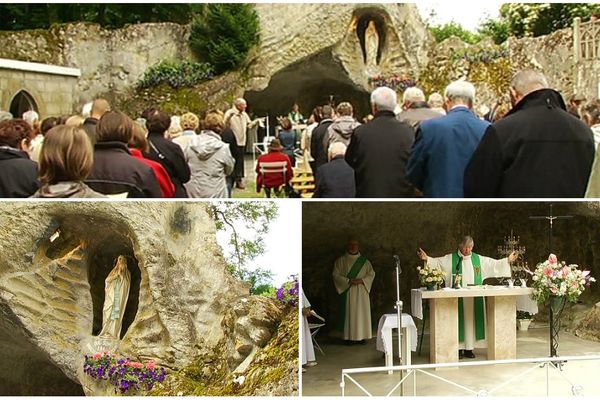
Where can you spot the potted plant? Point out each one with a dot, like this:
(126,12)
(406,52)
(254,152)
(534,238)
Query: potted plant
(523,320)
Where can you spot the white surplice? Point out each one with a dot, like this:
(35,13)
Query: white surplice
(357,324)
(489,268)
(308,350)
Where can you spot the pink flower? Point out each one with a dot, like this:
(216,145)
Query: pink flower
(97,356)
(552,259)
(566,271)
(548,271)
(150,365)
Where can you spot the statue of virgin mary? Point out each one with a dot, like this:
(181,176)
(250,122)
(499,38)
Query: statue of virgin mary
(116,293)
(371,45)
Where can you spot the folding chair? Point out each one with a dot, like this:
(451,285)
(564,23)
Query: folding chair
(273,168)
(314,329)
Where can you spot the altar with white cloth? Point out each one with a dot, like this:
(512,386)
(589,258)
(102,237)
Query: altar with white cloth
(501,308)
(387,322)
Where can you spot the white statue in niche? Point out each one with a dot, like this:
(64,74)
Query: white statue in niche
(116,293)
(371,44)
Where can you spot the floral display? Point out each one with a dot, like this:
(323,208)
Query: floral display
(288,292)
(431,277)
(398,83)
(553,278)
(123,373)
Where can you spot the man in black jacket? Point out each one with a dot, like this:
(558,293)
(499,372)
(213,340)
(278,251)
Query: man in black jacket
(99,108)
(317,149)
(379,150)
(336,178)
(537,150)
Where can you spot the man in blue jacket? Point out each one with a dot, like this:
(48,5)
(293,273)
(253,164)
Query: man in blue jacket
(444,146)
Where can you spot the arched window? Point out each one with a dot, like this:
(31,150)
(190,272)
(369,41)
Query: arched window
(22,102)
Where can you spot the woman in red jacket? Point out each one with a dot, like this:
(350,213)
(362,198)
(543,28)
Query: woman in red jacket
(139,144)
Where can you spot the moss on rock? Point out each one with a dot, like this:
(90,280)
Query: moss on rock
(272,372)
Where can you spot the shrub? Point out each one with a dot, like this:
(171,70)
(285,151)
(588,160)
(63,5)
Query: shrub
(176,74)
(224,34)
(288,293)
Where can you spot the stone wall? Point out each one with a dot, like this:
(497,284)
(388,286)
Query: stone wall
(111,61)
(53,94)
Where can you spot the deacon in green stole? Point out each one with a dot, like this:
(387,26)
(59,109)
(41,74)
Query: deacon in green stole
(473,269)
(353,276)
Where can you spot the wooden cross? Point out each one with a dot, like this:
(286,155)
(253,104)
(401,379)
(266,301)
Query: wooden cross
(551,219)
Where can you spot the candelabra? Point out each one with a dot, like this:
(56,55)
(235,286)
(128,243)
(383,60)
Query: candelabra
(511,244)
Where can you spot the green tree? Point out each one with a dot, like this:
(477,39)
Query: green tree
(223,34)
(247,223)
(536,19)
(443,32)
(497,29)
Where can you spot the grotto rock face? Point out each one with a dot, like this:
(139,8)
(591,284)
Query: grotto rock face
(385,229)
(181,298)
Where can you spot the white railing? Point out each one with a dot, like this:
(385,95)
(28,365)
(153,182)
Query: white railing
(549,363)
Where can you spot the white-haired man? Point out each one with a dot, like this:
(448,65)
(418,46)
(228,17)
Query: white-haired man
(436,103)
(99,108)
(336,178)
(462,268)
(239,122)
(415,108)
(444,146)
(518,155)
(378,151)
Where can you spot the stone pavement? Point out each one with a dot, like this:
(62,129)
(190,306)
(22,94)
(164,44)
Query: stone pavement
(324,379)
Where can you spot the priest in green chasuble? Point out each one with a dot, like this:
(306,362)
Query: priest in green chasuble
(353,277)
(463,268)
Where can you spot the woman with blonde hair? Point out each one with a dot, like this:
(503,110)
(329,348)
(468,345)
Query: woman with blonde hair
(66,160)
(210,160)
(189,123)
(116,294)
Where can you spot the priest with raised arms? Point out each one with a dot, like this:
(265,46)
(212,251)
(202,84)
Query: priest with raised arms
(462,268)
(353,277)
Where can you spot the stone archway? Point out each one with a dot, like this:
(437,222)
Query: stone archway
(22,102)
(317,80)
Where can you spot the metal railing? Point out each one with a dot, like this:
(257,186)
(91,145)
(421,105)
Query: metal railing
(407,371)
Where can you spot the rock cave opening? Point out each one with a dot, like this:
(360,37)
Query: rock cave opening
(385,229)
(317,80)
(107,241)
(363,18)
(26,370)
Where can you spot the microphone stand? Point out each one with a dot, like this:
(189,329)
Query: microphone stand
(399,307)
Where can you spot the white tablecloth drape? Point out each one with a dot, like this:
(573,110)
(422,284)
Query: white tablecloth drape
(387,322)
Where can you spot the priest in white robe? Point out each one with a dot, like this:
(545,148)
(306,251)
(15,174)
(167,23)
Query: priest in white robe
(353,277)
(463,268)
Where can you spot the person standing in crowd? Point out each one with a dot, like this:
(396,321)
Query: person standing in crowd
(295,116)
(99,108)
(189,123)
(591,116)
(287,137)
(66,161)
(138,144)
(436,103)
(515,156)
(342,126)
(353,277)
(444,145)
(238,120)
(305,141)
(210,160)
(38,142)
(18,174)
(317,151)
(415,109)
(115,170)
(273,181)
(166,152)
(463,268)
(336,178)
(378,151)
(575,104)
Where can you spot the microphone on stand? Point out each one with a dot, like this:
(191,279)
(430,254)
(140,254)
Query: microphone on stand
(397,259)
(398,306)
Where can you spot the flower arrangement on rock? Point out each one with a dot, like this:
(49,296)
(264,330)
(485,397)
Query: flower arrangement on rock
(430,277)
(287,294)
(123,373)
(398,83)
(553,278)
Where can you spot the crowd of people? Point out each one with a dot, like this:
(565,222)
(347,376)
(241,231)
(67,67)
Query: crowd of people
(540,147)
(438,147)
(108,154)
